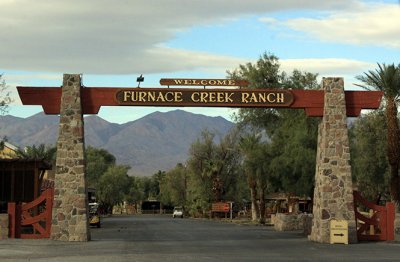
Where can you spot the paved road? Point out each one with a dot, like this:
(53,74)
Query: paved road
(155,238)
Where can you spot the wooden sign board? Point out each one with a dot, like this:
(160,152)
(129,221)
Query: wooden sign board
(202,82)
(339,232)
(220,207)
(204,97)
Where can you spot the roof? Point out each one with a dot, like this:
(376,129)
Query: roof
(11,146)
(39,163)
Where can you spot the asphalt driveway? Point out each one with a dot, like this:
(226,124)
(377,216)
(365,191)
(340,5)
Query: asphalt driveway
(155,238)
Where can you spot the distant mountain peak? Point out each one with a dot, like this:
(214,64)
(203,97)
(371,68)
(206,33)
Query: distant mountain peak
(157,141)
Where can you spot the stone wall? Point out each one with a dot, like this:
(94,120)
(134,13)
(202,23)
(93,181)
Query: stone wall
(70,214)
(3,226)
(397,226)
(291,222)
(307,225)
(333,193)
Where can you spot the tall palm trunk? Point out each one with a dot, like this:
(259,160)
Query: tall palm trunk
(393,149)
(254,205)
(262,206)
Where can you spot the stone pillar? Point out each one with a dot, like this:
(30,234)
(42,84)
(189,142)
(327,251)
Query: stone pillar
(70,214)
(333,193)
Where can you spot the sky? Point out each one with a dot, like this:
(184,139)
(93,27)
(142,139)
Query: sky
(112,42)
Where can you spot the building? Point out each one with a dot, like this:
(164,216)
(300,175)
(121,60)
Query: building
(21,180)
(8,150)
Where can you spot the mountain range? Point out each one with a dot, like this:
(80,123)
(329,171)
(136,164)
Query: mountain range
(155,142)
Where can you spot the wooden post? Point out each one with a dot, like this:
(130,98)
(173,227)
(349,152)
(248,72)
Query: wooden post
(371,227)
(390,208)
(11,217)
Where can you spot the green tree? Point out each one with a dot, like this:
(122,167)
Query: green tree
(294,147)
(232,176)
(257,157)
(155,185)
(200,164)
(250,148)
(113,185)
(289,156)
(386,78)
(98,160)
(265,73)
(174,186)
(5,98)
(135,193)
(143,185)
(213,171)
(147,188)
(369,158)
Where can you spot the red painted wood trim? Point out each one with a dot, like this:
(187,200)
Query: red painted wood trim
(95,97)
(28,219)
(313,101)
(363,201)
(49,209)
(34,203)
(390,220)
(368,220)
(18,220)
(48,97)
(12,219)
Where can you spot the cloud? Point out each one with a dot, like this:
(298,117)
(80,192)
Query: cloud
(372,24)
(13,79)
(348,69)
(327,66)
(120,37)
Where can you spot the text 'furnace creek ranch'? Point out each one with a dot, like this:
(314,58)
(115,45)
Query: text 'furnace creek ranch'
(191,97)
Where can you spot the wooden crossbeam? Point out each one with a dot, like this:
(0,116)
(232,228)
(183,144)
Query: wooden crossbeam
(93,98)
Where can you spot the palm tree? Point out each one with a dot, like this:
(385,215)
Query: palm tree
(41,152)
(387,79)
(248,145)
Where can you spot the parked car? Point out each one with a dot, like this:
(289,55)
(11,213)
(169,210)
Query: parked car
(94,216)
(178,212)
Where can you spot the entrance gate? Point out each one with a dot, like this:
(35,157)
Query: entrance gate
(333,194)
(34,216)
(378,224)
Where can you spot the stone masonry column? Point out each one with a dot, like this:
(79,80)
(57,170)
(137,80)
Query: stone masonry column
(70,214)
(333,193)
